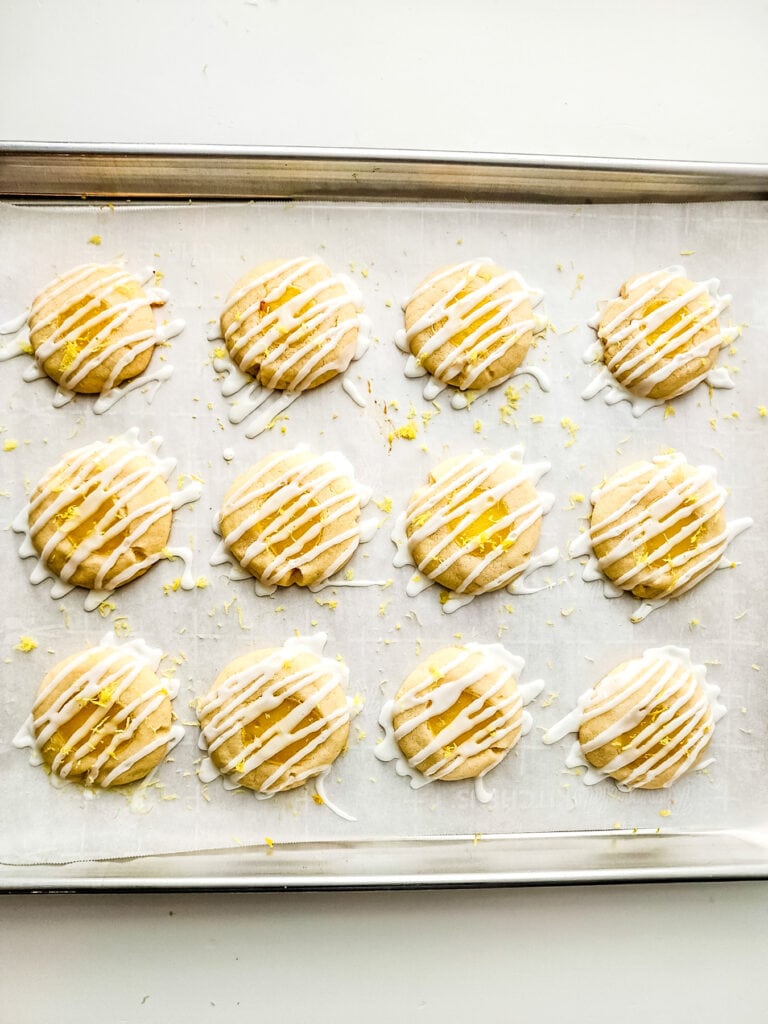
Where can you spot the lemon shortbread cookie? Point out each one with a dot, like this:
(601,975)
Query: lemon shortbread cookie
(644,724)
(103,717)
(457,714)
(469,326)
(275,718)
(294,517)
(92,329)
(659,338)
(292,324)
(475,524)
(102,516)
(657,529)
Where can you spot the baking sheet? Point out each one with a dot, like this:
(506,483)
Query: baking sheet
(569,635)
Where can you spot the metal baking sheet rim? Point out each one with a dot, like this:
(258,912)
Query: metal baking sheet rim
(55,171)
(300,865)
(39,170)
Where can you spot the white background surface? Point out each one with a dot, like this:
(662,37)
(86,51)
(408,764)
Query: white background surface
(684,80)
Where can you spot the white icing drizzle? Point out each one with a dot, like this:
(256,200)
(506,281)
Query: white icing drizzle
(274,340)
(292,503)
(487,721)
(103,324)
(322,792)
(15,325)
(248,396)
(247,695)
(107,399)
(631,528)
(642,362)
(353,392)
(125,532)
(102,685)
(450,501)
(680,733)
(488,308)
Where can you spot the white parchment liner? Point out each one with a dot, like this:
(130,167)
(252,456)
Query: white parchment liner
(568,635)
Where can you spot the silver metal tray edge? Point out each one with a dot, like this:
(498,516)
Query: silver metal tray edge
(236,172)
(46,171)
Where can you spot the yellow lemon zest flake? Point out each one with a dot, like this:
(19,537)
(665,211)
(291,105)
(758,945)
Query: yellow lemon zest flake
(573,428)
(26,644)
(10,444)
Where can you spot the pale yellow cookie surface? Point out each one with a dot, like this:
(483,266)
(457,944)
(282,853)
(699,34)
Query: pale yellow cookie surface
(658,527)
(292,518)
(661,336)
(457,714)
(102,718)
(474,525)
(647,722)
(291,324)
(470,325)
(275,718)
(92,328)
(101,516)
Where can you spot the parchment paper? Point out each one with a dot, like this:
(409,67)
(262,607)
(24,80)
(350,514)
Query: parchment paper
(569,635)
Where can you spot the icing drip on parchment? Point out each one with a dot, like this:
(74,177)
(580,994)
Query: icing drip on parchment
(648,354)
(99,325)
(298,331)
(461,499)
(478,318)
(668,521)
(250,695)
(287,496)
(94,464)
(99,688)
(478,727)
(669,720)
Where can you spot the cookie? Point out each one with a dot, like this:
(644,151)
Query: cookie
(662,335)
(458,713)
(102,717)
(646,723)
(292,324)
(275,718)
(93,328)
(658,528)
(469,325)
(102,515)
(294,517)
(475,524)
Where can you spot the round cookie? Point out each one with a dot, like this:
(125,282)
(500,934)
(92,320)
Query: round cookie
(276,718)
(459,712)
(662,335)
(102,717)
(294,517)
(474,525)
(649,720)
(291,324)
(657,528)
(470,325)
(92,328)
(101,516)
